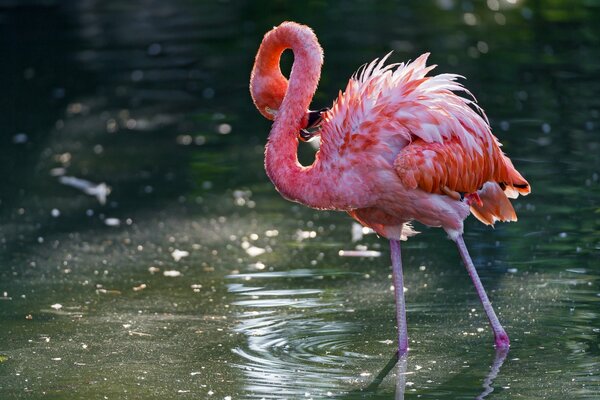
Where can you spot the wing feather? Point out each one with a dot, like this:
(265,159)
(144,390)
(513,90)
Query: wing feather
(436,137)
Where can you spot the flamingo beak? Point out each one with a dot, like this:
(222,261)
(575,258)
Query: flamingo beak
(305,135)
(313,122)
(315,118)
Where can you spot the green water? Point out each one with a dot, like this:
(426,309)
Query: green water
(196,280)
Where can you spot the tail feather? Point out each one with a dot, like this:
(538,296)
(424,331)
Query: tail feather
(495,205)
(512,182)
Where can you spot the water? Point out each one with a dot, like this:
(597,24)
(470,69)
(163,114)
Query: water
(144,254)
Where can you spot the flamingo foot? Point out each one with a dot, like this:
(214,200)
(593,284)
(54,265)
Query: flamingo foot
(501,339)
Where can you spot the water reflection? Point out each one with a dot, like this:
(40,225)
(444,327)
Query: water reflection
(153,100)
(295,344)
(402,365)
(401,377)
(402,373)
(494,370)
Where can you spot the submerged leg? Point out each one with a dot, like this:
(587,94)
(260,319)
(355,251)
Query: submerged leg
(500,336)
(399,295)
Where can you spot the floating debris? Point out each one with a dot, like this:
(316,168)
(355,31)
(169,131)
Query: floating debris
(135,333)
(257,266)
(112,222)
(179,254)
(254,251)
(272,233)
(153,270)
(100,190)
(172,273)
(196,287)
(107,291)
(140,287)
(359,253)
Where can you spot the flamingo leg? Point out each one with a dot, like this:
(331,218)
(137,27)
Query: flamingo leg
(500,336)
(398,280)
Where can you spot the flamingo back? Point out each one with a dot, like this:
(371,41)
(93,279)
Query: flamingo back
(434,139)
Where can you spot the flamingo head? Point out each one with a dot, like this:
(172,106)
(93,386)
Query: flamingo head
(267,94)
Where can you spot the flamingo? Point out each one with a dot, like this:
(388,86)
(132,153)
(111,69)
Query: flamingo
(396,146)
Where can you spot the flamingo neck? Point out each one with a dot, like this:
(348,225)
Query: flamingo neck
(294,181)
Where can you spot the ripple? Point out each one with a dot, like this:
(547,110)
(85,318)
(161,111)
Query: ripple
(294,273)
(293,339)
(284,292)
(302,303)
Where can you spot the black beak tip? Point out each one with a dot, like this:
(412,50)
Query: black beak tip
(314,117)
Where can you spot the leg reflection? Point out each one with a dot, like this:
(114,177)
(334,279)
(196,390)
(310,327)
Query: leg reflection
(402,373)
(382,374)
(401,377)
(402,362)
(494,370)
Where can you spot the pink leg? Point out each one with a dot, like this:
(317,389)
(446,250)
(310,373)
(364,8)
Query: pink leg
(399,295)
(500,336)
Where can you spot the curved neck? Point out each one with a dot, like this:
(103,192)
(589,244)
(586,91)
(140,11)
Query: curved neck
(291,179)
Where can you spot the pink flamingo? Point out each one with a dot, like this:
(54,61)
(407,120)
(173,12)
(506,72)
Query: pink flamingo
(396,146)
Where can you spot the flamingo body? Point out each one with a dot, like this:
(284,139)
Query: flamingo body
(396,146)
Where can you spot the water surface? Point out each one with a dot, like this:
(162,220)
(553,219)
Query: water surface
(188,276)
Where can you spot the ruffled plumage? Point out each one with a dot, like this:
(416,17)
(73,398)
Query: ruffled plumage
(437,140)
